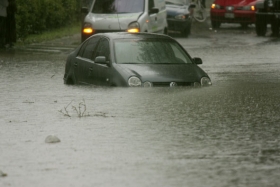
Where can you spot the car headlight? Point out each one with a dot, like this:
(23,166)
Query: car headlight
(148,84)
(248,8)
(181,16)
(87,29)
(134,82)
(215,6)
(205,81)
(133,27)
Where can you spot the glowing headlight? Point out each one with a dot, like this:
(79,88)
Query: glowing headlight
(205,81)
(215,6)
(134,82)
(133,27)
(249,8)
(87,29)
(181,16)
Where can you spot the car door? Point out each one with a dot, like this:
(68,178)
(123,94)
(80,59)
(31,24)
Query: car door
(161,15)
(99,74)
(152,24)
(84,60)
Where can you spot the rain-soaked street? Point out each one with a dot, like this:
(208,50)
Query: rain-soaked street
(226,135)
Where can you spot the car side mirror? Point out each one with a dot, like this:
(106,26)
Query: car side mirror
(101,60)
(153,11)
(84,10)
(197,60)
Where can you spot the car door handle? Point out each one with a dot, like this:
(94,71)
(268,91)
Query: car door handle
(76,64)
(90,69)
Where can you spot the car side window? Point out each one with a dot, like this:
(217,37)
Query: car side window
(103,49)
(82,49)
(88,49)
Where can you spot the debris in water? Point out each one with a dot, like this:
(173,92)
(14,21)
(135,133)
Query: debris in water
(52,139)
(2,174)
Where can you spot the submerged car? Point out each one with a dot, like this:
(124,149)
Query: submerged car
(133,60)
(179,16)
(233,11)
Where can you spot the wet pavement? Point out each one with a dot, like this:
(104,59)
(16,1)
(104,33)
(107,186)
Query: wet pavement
(226,135)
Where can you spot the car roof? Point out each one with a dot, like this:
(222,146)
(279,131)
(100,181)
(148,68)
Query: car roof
(127,35)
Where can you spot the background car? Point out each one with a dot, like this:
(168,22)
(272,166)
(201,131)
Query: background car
(232,11)
(133,60)
(179,16)
(124,15)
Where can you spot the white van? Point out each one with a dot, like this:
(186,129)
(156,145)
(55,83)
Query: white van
(124,15)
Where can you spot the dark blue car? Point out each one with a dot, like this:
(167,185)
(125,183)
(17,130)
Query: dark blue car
(133,60)
(179,16)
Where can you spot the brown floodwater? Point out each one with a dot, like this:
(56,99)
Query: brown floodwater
(226,135)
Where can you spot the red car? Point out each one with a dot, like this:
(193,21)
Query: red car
(233,11)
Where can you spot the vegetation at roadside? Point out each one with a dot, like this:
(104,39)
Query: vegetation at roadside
(51,34)
(36,17)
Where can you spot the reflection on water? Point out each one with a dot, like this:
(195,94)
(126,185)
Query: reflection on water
(224,135)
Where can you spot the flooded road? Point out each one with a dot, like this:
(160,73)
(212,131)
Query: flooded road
(226,135)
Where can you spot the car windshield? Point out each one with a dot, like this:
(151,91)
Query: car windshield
(149,51)
(177,2)
(118,6)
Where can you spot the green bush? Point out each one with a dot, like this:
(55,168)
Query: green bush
(37,16)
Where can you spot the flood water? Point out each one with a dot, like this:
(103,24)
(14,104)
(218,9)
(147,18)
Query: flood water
(226,135)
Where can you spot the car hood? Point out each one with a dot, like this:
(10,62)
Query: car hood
(111,21)
(174,10)
(162,72)
(235,2)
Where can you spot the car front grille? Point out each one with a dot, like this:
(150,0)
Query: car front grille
(169,84)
